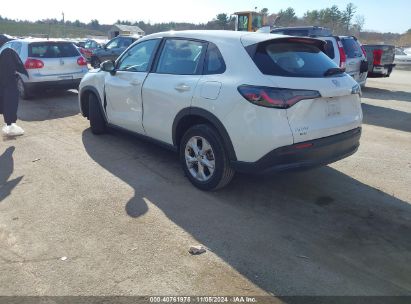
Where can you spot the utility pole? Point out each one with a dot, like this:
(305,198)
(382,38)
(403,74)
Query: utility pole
(64,26)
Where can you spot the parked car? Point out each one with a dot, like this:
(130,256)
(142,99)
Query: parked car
(380,59)
(402,58)
(91,45)
(111,50)
(345,51)
(5,38)
(305,31)
(356,59)
(286,106)
(81,43)
(50,64)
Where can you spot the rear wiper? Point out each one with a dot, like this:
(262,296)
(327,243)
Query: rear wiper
(333,71)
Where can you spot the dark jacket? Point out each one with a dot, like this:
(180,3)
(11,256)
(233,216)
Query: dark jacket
(10,63)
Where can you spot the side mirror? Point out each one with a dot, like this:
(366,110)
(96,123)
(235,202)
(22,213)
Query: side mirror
(108,66)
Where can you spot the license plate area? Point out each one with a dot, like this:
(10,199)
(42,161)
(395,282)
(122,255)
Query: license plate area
(333,107)
(63,77)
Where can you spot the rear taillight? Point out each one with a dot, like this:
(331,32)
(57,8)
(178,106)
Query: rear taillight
(32,63)
(377,57)
(275,97)
(81,61)
(364,51)
(343,57)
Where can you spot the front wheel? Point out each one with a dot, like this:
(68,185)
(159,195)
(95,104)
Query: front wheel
(204,160)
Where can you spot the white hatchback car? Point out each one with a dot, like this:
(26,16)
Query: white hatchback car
(50,64)
(229,101)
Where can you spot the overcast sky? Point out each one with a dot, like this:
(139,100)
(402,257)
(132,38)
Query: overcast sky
(393,15)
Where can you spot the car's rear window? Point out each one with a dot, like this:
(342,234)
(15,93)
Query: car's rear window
(351,48)
(290,59)
(52,50)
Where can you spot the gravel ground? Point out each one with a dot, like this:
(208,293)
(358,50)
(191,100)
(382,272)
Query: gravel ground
(124,216)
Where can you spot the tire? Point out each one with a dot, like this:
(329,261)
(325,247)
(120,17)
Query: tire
(209,168)
(97,122)
(24,93)
(95,62)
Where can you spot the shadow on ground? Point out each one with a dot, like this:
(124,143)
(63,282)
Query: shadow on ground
(317,232)
(386,117)
(48,105)
(6,170)
(384,94)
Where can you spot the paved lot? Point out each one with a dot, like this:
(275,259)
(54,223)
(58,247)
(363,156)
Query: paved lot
(124,215)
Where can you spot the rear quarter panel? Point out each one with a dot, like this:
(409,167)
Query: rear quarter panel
(254,131)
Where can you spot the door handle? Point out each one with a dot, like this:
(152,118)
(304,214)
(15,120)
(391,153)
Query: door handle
(135,82)
(182,88)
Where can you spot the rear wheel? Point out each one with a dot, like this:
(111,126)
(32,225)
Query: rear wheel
(204,160)
(24,93)
(97,122)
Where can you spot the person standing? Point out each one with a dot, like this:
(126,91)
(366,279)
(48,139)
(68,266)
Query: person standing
(10,63)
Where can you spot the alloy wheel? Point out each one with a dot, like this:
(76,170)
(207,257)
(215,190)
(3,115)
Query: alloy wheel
(199,157)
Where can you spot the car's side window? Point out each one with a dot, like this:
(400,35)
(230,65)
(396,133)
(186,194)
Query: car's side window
(214,62)
(125,42)
(138,58)
(329,49)
(180,57)
(113,44)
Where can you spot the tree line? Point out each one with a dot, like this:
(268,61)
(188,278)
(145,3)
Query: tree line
(342,21)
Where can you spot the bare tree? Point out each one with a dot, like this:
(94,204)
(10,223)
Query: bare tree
(348,15)
(359,22)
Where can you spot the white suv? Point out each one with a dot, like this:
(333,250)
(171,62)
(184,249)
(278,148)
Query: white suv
(229,101)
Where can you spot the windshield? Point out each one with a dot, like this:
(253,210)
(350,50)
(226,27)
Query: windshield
(290,59)
(399,52)
(352,48)
(243,23)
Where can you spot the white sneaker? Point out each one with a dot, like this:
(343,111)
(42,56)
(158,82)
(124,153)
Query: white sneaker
(12,130)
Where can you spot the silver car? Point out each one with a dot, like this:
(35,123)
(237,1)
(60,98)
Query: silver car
(50,64)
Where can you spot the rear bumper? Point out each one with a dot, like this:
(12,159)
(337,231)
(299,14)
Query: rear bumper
(304,155)
(381,70)
(60,84)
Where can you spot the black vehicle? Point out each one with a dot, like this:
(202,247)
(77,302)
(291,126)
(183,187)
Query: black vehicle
(5,38)
(114,48)
(306,31)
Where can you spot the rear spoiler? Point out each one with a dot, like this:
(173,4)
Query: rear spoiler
(249,40)
(312,41)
